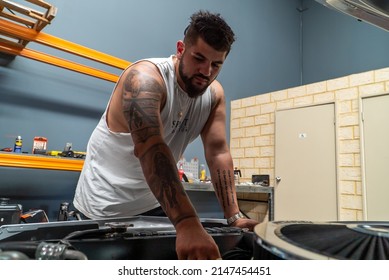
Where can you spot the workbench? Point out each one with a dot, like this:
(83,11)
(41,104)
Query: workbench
(241,188)
(47,181)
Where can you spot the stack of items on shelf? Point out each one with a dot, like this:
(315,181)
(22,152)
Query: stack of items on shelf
(39,147)
(190,168)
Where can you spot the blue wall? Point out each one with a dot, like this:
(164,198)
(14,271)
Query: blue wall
(280,44)
(336,45)
(42,100)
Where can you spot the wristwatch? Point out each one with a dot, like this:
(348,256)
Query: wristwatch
(234,218)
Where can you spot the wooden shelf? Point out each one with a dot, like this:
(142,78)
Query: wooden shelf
(40,162)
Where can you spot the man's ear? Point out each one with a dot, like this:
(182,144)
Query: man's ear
(180,49)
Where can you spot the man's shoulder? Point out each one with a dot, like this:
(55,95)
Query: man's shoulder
(152,65)
(216,89)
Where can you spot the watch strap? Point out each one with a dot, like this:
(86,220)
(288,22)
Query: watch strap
(234,218)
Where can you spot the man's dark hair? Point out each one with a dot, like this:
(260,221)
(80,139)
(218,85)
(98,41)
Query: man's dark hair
(212,28)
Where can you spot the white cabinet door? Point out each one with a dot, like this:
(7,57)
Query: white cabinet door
(305,161)
(375,124)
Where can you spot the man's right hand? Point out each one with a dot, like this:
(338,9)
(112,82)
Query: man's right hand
(193,242)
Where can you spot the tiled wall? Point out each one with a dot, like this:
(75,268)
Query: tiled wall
(252,131)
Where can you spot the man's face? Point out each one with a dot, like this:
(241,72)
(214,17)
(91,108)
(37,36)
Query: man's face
(198,66)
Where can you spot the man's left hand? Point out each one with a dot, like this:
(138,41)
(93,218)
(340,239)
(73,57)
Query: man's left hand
(245,223)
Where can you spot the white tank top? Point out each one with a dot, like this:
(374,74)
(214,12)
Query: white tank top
(112,183)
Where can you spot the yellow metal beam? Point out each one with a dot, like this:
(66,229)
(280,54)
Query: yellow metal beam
(27,34)
(41,162)
(49,59)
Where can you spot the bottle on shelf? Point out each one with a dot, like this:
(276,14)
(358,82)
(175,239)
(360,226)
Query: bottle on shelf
(181,172)
(237,175)
(18,144)
(203,174)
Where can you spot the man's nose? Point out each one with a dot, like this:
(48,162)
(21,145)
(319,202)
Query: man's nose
(206,69)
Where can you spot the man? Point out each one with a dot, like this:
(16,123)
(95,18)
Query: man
(157,108)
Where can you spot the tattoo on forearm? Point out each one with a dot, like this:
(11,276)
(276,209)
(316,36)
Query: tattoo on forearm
(226,186)
(169,186)
(219,187)
(230,178)
(224,181)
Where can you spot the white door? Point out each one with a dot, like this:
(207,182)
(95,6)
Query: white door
(375,124)
(305,162)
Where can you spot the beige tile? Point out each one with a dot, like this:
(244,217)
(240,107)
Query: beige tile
(278,95)
(237,153)
(253,110)
(346,160)
(284,104)
(339,83)
(349,146)
(344,106)
(252,152)
(268,108)
(297,91)
(349,174)
(247,142)
(346,93)
(238,133)
(351,201)
(247,121)
(324,97)
(372,89)
(262,99)
(236,104)
(249,101)
(267,151)
(235,123)
(347,187)
(267,129)
(381,75)
(253,131)
(265,140)
(362,78)
(346,133)
(235,143)
(262,119)
(246,163)
(348,119)
(262,162)
(316,87)
(303,101)
(238,113)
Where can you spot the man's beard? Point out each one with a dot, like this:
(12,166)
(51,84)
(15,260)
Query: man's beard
(191,89)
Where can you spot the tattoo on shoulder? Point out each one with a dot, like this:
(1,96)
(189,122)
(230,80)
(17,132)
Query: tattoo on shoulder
(141,97)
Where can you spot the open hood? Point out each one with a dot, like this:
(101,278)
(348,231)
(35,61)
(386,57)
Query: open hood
(375,12)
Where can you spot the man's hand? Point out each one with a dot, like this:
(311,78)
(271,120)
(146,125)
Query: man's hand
(194,243)
(245,223)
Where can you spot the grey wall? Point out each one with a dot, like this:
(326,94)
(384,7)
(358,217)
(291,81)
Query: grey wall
(280,44)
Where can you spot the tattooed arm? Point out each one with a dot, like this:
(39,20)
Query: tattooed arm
(138,99)
(219,158)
